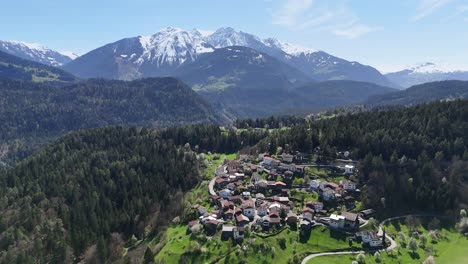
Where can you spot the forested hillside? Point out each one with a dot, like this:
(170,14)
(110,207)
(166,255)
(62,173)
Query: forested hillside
(102,187)
(13,67)
(33,113)
(414,158)
(423,93)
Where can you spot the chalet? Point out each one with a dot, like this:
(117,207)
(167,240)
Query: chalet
(201,210)
(261,156)
(229,214)
(271,185)
(328,194)
(227,231)
(349,169)
(288,175)
(337,221)
(253,168)
(349,200)
(281,199)
(231,186)
(264,221)
(275,207)
(291,218)
(307,216)
(262,210)
(348,185)
(287,157)
(351,220)
(287,167)
(274,218)
(270,162)
(191,224)
(220,182)
(367,213)
(235,199)
(262,184)
(300,169)
(211,226)
(215,199)
(238,233)
(239,176)
(248,207)
(317,206)
(225,193)
(315,184)
(226,205)
(280,185)
(234,166)
(238,211)
(370,237)
(242,220)
(246,195)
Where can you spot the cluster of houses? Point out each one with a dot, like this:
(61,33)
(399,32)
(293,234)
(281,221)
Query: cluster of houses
(245,199)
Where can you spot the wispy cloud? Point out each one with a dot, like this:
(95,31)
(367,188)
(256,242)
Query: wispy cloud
(338,19)
(427,7)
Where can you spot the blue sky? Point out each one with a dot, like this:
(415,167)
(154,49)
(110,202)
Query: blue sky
(380,33)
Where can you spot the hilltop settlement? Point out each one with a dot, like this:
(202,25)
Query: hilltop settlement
(263,194)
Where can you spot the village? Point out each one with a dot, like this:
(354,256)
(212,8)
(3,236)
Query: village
(266,193)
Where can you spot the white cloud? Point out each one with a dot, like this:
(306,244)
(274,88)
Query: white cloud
(338,19)
(354,31)
(291,11)
(427,7)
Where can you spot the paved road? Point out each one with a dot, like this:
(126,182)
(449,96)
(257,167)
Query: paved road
(392,245)
(211,187)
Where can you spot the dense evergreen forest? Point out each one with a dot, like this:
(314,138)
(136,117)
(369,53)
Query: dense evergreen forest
(34,113)
(410,159)
(102,186)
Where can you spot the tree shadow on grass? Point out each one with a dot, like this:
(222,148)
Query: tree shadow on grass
(414,255)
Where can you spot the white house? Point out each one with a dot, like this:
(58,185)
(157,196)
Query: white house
(337,221)
(370,237)
(315,184)
(287,157)
(349,169)
(348,185)
(225,193)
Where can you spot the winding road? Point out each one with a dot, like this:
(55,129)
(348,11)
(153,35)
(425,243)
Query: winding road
(393,244)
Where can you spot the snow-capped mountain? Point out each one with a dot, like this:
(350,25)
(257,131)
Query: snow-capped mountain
(143,56)
(427,72)
(317,64)
(163,53)
(36,52)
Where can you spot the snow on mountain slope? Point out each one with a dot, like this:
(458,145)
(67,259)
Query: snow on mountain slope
(35,52)
(172,46)
(428,72)
(288,48)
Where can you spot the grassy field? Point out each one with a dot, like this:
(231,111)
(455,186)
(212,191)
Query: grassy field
(254,249)
(450,248)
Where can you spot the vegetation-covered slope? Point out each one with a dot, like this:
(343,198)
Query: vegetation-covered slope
(423,93)
(103,187)
(410,159)
(88,185)
(293,100)
(13,67)
(32,110)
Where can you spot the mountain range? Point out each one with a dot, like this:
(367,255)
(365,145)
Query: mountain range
(37,52)
(426,72)
(13,67)
(163,53)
